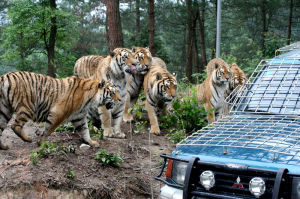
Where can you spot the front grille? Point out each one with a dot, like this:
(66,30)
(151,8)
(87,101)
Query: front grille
(226,177)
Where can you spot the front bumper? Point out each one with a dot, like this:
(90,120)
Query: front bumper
(168,192)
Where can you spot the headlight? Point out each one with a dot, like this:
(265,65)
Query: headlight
(178,171)
(257,186)
(207,179)
(296,188)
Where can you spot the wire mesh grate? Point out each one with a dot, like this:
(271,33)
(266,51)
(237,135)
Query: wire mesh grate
(291,47)
(273,88)
(278,134)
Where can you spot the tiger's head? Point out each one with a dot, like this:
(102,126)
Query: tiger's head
(143,55)
(166,85)
(222,74)
(238,79)
(109,96)
(125,60)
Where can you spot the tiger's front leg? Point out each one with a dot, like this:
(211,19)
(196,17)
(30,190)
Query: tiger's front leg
(2,145)
(116,122)
(127,117)
(81,127)
(153,119)
(106,122)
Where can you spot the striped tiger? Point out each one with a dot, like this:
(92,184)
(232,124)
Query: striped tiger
(239,78)
(115,67)
(135,81)
(212,91)
(213,64)
(160,89)
(42,98)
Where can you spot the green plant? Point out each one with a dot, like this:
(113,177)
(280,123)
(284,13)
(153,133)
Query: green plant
(188,114)
(94,131)
(46,149)
(70,174)
(65,127)
(140,126)
(108,159)
(139,109)
(176,136)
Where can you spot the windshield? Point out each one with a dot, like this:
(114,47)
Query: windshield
(273,88)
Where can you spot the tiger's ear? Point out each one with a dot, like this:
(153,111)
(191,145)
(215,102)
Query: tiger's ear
(147,47)
(174,74)
(133,49)
(101,84)
(216,65)
(111,53)
(158,76)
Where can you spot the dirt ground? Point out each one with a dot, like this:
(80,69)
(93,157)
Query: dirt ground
(20,178)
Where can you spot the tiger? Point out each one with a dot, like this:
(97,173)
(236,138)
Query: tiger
(135,82)
(212,91)
(211,66)
(90,68)
(160,88)
(114,67)
(238,80)
(41,98)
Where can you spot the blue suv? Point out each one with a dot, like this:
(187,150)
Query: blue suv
(254,152)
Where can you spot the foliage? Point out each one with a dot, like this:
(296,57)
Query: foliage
(47,149)
(140,126)
(94,131)
(71,174)
(65,127)
(187,116)
(108,159)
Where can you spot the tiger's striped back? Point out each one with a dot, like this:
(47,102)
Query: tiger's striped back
(86,66)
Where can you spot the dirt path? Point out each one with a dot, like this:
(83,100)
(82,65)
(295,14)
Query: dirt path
(19,178)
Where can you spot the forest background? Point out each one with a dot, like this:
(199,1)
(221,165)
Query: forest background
(48,36)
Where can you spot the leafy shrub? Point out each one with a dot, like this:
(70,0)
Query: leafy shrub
(140,126)
(187,116)
(94,131)
(108,159)
(46,149)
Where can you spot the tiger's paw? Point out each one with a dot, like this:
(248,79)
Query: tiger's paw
(119,134)
(155,130)
(94,143)
(108,133)
(25,137)
(127,117)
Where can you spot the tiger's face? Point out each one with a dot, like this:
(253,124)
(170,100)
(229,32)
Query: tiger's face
(238,78)
(223,74)
(167,87)
(125,60)
(110,94)
(143,55)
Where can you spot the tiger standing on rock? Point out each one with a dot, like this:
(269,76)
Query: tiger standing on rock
(160,89)
(135,81)
(112,67)
(42,98)
(212,91)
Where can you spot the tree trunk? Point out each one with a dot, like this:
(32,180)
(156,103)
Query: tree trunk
(138,20)
(202,33)
(263,20)
(213,52)
(114,25)
(183,52)
(151,26)
(189,57)
(195,56)
(51,45)
(290,23)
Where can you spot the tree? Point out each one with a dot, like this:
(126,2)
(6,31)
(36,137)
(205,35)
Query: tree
(201,20)
(114,28)
(290,23)
(33,31)
(151,26)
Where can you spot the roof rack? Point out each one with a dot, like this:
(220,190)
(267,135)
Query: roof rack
(273,88)
(293,46)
